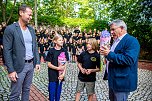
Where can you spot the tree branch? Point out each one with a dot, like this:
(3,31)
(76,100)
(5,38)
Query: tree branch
(11,12)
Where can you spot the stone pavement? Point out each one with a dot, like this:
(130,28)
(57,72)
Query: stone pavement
(39,88)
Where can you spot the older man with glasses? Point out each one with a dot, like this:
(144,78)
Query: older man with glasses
(122,62)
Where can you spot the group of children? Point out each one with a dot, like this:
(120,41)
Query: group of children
(88,62)
(74,41)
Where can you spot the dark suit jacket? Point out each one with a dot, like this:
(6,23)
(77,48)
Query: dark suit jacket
(122,71)
(14,48)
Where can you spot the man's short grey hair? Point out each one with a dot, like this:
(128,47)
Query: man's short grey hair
(119,23)
(23,8)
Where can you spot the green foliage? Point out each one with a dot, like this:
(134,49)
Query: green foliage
(50,20)
(138,16)
(73,22)
(99,25)
(86,23)
(1,20)
(57,8)
(86,12)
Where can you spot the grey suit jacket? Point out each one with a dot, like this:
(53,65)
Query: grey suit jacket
(14,48)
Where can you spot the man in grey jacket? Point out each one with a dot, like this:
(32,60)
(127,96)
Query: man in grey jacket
(21,54)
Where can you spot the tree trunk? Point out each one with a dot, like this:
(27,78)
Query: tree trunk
(3,11)
(1,6)
(35,9)
(1,3)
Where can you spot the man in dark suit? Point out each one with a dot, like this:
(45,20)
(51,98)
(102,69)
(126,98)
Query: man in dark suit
(21,54)
(122,62)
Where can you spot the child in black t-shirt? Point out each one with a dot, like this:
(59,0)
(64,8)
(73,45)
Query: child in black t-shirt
(41,50)
(70,44)
(56,57)
(74,47)
(88,64)
(47,46)
(79,49)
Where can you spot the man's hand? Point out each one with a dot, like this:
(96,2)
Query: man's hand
(104,50)
(13,76)
(38,67)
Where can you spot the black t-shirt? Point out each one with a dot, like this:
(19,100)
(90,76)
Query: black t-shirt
(51,36)
(3,29)
(46,45)
(88,61)
(38,36)
(42,35)
(41,46)
(73,46)
(75,38)
(65,46)
(52,57)
(1,37)
(69,47)
(97,37)
(84,45)
(83,38)
(65,35)
(69,36)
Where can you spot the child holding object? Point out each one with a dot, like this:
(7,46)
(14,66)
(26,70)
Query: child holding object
(88,64)
(57,58)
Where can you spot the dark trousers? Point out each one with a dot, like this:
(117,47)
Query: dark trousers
(118,96)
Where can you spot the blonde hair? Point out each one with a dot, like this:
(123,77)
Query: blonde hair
(94,43)
(56,37)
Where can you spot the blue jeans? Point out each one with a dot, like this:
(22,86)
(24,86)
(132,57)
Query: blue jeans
(118,96)
(55,91)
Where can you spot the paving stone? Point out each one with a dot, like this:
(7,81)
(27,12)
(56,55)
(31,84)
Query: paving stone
(40,81)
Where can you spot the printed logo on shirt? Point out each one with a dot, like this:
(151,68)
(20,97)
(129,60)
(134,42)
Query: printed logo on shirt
(93,59)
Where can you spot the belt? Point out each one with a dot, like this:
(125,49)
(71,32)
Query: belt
(29,61)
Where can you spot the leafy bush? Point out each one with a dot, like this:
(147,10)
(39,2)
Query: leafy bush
(73,22)
(49,20)
(85,23)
